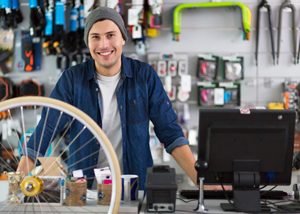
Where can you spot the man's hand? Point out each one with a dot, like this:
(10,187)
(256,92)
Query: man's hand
(25,166)
(217,187)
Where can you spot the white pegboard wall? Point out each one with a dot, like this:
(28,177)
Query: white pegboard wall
(218,31)
(211,31)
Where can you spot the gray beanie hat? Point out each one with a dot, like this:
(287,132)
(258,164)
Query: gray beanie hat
(102,13)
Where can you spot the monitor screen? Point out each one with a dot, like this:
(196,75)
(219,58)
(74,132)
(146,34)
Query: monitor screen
(259,140)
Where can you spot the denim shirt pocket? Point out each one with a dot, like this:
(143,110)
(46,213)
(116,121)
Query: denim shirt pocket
(136,111)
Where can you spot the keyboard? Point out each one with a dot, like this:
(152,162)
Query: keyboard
(219,194)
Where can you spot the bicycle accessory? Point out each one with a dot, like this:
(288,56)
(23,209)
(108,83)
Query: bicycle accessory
(6,89)
(30,88)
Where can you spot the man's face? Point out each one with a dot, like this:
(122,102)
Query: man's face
(105,43)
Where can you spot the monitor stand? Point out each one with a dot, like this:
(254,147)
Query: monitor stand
(201,207)
(246,181)
(246,200)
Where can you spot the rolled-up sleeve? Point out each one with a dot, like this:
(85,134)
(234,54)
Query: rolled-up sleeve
(162,114)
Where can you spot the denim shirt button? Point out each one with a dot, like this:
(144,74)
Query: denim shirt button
(121,107)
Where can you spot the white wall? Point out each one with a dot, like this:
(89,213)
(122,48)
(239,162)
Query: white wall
(212,31)
(218,31)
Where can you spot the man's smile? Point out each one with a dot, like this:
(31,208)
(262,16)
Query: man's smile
(104,53)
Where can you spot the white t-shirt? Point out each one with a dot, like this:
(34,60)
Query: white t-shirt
(111,122)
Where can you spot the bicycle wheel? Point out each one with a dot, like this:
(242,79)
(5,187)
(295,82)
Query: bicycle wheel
(22,114)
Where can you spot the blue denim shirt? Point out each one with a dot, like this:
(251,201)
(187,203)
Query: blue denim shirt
(140,96)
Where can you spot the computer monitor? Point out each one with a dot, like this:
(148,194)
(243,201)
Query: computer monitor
(246,148)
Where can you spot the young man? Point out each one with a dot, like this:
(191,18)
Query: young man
(121,95)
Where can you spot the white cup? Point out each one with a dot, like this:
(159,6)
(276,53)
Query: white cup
(130,187)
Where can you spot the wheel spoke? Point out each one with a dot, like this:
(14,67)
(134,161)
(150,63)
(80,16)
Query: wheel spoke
(34,133)
(18,137)
(81,147)
(52,136)
(12,156)
(43,130)
(49,205)
(57,159)
(24,137)
(39,203)
(82,159)
(6,164)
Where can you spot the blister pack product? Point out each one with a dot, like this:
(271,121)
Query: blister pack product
(233,68)
(207,69)
(231,93)
(206,94)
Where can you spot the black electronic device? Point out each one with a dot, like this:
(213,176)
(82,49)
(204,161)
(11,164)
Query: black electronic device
(161,189)
(220,194)
(246,148)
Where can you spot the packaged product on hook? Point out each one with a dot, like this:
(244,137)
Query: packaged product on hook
(206,94)
(231,93)
(207,69)
(233,68)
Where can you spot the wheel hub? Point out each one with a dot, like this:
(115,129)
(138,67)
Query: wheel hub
(31,186)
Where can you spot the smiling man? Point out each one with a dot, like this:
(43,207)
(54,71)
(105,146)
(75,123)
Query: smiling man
(105,43)
(122,95)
